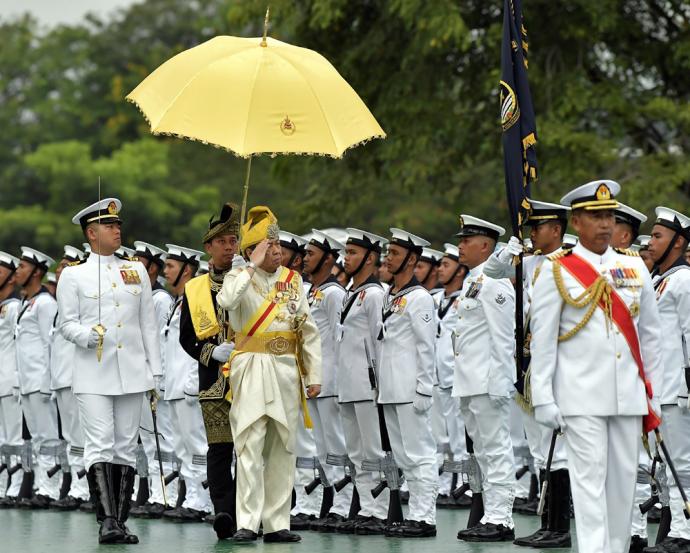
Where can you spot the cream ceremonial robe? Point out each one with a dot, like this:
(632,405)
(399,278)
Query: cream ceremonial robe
(266,399)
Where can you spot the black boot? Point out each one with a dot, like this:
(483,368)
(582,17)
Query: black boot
(528,541)
(558,532)
(124,487)
(101,475)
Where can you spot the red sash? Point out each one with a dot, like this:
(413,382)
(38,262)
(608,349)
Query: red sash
(585,274)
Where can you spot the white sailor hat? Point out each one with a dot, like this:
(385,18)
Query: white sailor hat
(598,194)
(39,259)
(431,256)
(104,212)
(337,233)
(643,241)
(626,214)
(150,252)
(203,268)
(124,251)
(673,220)
(635,248)
(570,240)
(451,251)
(473,226)
(541,212)
(8,261)
(51,278)
(407,240)
(364,239)
(185,255)
(292,241)
(87,248)
(326,242)
(72,254)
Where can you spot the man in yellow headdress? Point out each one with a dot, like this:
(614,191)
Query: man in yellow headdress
(277,353)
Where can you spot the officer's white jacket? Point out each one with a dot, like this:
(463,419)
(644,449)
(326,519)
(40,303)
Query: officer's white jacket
(485,337)
(593,373)
(407,354)
(181,370)
(325,302)
(162,305)
(131,350)
(61,358)
(32,334)
(359,324)
(446,306)
(8,360)
(673,300)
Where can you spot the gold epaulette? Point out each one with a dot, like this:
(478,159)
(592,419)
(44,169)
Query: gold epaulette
(558,254)
(75,263)
(630,253)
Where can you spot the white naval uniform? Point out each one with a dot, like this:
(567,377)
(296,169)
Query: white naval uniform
(673,300)
(325,302)
(10,409)
(162,304)
(594,381)
(266,399)
(406,369)
(110,391)
(359,322)
(61,361)
(182,395)
(32,334)
(538,436)
(484,369)
(447,421)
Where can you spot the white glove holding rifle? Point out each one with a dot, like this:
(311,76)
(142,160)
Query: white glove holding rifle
(512,249)
(549,415)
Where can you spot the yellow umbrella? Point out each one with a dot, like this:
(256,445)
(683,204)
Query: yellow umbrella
(253,96)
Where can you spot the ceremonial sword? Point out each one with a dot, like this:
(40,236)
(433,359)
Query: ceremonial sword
(99,328)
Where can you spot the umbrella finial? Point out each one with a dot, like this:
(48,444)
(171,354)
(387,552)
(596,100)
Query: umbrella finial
(263,40)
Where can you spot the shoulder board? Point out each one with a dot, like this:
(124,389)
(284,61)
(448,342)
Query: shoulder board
(75,263)
(630,253)
(559,254)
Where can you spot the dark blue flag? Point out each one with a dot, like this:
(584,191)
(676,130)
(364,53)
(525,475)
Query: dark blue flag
(517,115)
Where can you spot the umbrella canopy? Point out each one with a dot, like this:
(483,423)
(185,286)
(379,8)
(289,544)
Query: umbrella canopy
(253,96)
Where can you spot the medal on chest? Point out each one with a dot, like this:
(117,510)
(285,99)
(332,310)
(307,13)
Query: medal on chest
(474,288)
(316,298)
(625,277)
(399,305)
(3,312)
(130,276)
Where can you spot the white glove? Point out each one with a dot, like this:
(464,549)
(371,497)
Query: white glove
(513,248)
(93,339)
(222,352)
(421,404)
(683,403)
(549,415)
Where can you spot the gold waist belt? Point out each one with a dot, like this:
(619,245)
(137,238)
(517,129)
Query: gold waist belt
(274,343)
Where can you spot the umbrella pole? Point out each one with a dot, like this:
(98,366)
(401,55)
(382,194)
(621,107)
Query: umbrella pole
(246,190)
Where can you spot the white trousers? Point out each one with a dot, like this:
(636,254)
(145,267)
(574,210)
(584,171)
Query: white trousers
(414,450)
(363,440)
(190,445)
(603,456)
(676,432)
(40,413)
(329,438)
(488,424)
(265,477)
(73,435)
(305,447)
(148,440)
(111,427)
(11,434)
(449,432)
(642,493)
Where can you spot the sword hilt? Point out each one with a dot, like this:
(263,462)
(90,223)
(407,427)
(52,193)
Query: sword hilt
(100,330)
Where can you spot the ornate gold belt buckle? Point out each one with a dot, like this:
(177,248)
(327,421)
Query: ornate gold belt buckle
(278,346)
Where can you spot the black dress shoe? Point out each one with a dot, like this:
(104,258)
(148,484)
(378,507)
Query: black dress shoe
(527,541)
(526,507)
(281,536)
(417,529)
(327,523)
(301,521)
(68,503)
(87,507)
(8,502)
(149,511)
(552,539)
(670,545)
(110,531)
(224,526)
(371,526)
(244,536)
(487,532)
(35,502)
(184,514)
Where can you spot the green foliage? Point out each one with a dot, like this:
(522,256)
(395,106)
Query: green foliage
(610,81)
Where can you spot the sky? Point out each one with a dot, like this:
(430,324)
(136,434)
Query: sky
(54,12)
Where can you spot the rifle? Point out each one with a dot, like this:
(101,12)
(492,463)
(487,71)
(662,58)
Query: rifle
(320,478)
(547,478)
(153,402)
(349,478)
(386,466)
(686,368)
(660,442)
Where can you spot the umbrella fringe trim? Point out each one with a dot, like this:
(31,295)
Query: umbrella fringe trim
(233,152)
